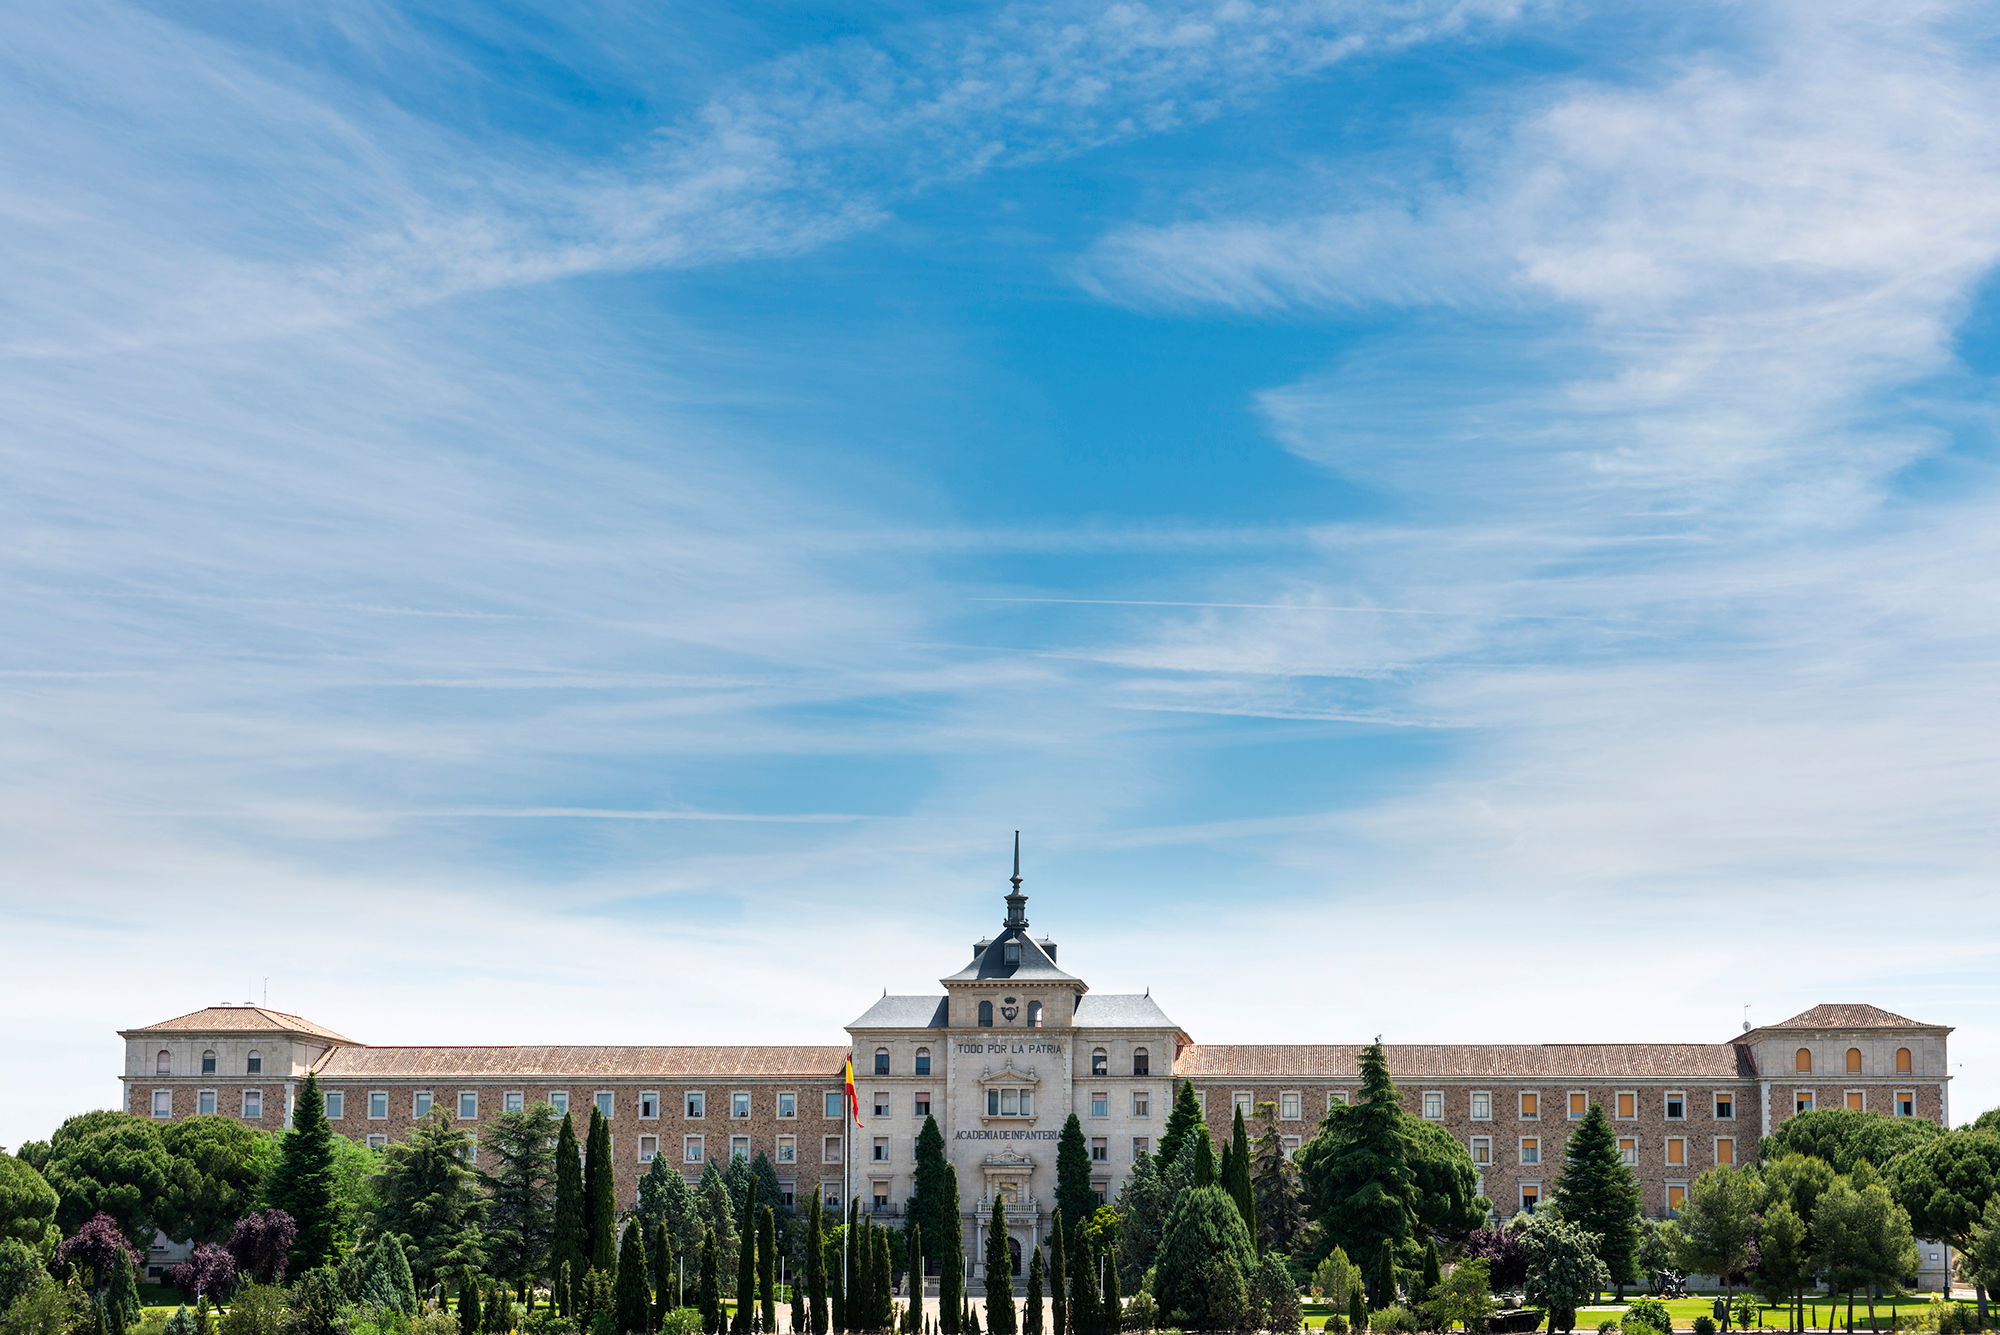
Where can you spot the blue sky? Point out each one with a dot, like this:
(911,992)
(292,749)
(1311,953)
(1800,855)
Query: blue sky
(1463,521)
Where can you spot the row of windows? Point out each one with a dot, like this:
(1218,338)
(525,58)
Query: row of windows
(1902,1103)
(250,1103)
(694,1103)
(1802,1060)
(1623,1105)
(163,1063)
(1531,1196)
(1528,1151)
(1100,1058)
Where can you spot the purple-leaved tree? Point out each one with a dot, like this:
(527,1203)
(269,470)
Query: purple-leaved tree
(262,1245)
(210,1274)
(1506,1259)
(94,1251)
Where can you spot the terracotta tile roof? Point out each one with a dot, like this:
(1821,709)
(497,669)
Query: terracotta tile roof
(1715,1061)
(579,1062)
(239,1020)
(1852,1015)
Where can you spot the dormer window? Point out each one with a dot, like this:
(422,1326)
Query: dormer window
(1034,1015)
(254,1063)
(208,1063)
(1011,952)
(985,1018)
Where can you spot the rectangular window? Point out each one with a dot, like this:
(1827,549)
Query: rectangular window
(253,1104)
(1010,1103)
(1677,1194)
(788,1106)
(1101,1190)
(1531,1196)
(691,1149)
(1677,1152)
(513,1101)
(879,1197)
(1531,1106)
(1725,1150)
(204,1102)
(649,1148)
(336,1104)
(208,1063)
(468,1105)
(1906,1103)
(1626,1106)
(1531,1149)
(1290,1145)
(882,1062)
(1579,1104)
(739,1146)
(163,1103)
(649,1104)
(1482,1150)
(420,1103)
(1100,1104)
(254,1064)
(376,1140)
(836,1104)
(1142,1103)
(788,1149)
(607,1103)
(923,1062)
(829,1150)
(378,1104)
(881,1103)
(1100,1150)
(1802,1100)
(1482,1106)
(1141,1145)
(788,1193)
(1857,1101)
(696,1102)
(1434,1105)
(1628,1151)
(1289,1107)
(1725,1104)
(920,1103)
(739,1103)
(559,1100)
(1336,1098)
(1677,1106)
(1240,1100)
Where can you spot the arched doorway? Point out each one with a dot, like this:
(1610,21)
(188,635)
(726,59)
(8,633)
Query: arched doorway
(1014,1255)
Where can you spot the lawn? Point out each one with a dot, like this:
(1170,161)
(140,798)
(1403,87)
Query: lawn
(1685,1310)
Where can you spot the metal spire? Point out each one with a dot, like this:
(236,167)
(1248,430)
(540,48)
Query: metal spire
(1017,903)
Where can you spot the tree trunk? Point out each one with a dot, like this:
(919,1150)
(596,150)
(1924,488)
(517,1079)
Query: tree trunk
(1850,1312)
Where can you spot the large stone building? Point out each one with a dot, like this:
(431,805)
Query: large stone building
(1011,1045)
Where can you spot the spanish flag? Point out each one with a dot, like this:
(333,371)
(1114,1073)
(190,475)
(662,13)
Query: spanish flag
(853,1099)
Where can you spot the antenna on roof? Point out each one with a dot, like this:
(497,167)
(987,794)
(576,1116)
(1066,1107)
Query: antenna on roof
(267,991)
(1746,1017)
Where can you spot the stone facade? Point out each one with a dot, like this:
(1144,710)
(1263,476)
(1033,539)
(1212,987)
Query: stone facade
(1011,1047)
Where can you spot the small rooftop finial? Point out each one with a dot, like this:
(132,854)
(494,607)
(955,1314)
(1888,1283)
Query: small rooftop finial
(1017,903)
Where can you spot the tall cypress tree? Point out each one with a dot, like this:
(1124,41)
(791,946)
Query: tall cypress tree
(767,1266)
(1058,1278)
(709,1297)
(468,1305)
(1236,1179)
(933,1203)
(1075,1201)
(1181,1122)
(820,1315)
(914,1315)
(1600,1195)
(1082,1287)
(1031,1314)
(1111,1309)
(570,1240)
(660,1261)
(303,1183)
(999,1274)
(600,1200)
(885,1295)
(951,1260)
(1433,1271)
(746,1271)
(631,1305)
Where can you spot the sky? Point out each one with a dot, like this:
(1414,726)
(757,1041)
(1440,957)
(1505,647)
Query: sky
(1461,520)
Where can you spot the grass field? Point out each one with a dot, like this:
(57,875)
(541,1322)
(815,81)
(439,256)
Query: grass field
(1685,1310)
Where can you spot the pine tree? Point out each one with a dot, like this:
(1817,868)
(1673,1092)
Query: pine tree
(433,1198)
(709,1295)
(1031,1315)
(1358,1182)
(720,1212)
(632,1307)
(1274,1182)
(569,1234)
(388,1282)
(1236,1180)
(468,1305)
(665,1198)
(304,1183)
(1058,1279)
(767,1266)
(1075,1200)
(999,1273)
(1181,1122)
(520,1225)
(1600,1195)
(746,1273)
(820,1315)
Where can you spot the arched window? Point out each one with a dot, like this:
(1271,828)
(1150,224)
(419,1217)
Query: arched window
(1903,1062)
(1034,1015)
(1100,1061)
(164,1063)
(1141,1063)
(1802,1060)
(208,1063)
(1854,1061)
(923,1061)
(881,1061)
(254,1063)
(985,1015)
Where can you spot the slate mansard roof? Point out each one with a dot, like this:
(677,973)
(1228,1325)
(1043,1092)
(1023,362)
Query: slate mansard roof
(1093,1011)
(1498,1061)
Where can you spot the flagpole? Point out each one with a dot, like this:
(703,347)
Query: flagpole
(848,1099)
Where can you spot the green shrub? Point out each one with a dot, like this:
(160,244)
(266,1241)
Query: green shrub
(1335,1325)
(181,1322)
(434,1321)
(1704,1325)
(1607,1328)
(1650,1313)
(681,1321)
(257,1309)
(1743,1311)
(1395,1319)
